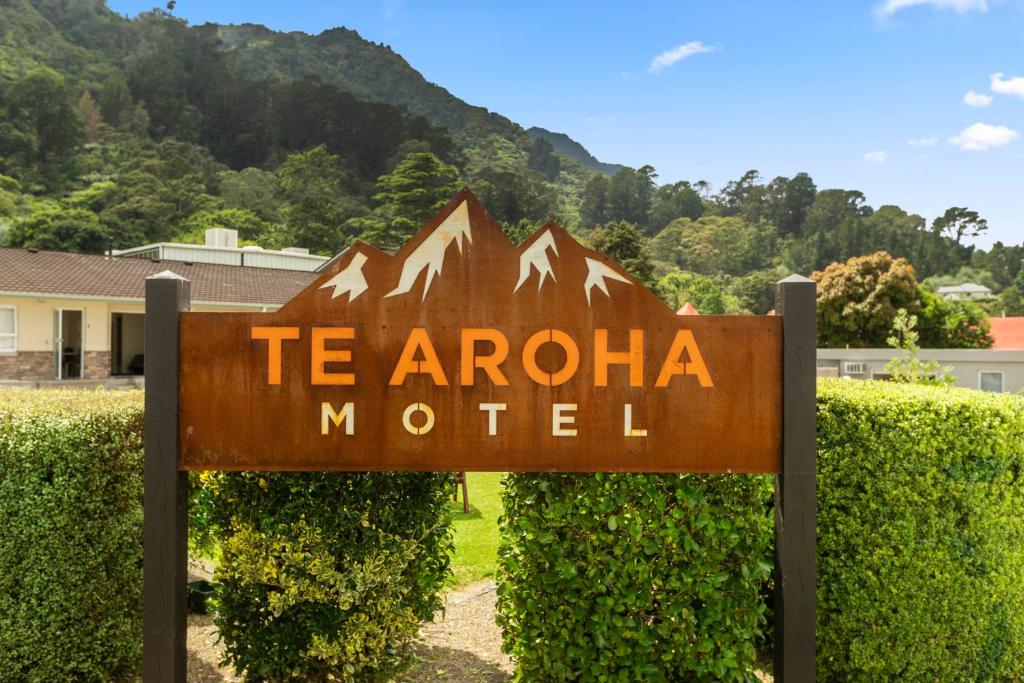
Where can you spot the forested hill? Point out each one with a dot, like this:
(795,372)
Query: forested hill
(117,132)
(368,70)
(563,144)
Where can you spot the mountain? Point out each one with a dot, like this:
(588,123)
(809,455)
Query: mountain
(564,144)
(373,71)
(79,40)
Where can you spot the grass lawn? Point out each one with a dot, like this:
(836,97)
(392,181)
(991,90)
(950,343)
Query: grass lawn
(476,534)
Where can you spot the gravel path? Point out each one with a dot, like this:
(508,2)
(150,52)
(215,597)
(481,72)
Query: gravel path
(464,646)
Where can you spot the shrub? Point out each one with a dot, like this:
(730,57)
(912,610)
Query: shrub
(326,575)
(70,534)
(920,533)
(633,577)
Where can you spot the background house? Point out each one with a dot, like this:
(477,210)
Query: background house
(67,316)
(968,291)
(1000,368)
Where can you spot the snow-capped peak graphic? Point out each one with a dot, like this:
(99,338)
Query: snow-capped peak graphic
(430,253)
(350,279)
(597,273)
(536,256)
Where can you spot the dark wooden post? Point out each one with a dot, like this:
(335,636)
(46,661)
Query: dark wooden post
(795,488)
(165,535)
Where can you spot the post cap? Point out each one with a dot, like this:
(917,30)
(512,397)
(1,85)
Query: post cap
(166,275)
(795,278)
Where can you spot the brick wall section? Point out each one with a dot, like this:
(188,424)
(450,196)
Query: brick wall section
(38,365)
(27,365)
(97,364)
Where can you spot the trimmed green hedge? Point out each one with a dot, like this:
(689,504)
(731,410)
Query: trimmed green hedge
(920,533)
(70,534)
(633,577)
(325,576)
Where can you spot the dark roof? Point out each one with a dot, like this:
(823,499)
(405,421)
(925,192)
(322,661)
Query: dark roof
(70,274)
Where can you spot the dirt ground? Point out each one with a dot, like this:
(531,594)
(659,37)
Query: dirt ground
(465,646)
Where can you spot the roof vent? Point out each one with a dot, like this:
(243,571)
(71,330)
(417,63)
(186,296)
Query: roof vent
(296,250)
(222,237)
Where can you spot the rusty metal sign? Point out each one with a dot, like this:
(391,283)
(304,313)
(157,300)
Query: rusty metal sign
(465,352)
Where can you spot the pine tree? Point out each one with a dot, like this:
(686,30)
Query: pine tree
(90,114)
(408,196)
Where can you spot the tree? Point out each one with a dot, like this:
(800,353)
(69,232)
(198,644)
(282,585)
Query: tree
(136,121)
(253,189)
(251,228)
(959,222)
(678,287)
(908,368)
(951,324)
(115,98)
(61,229)
(90,115)
(1004,262)
(756,289)
(789,200)
(511,196)
(408,196)
(629,195)
(39,127)
(676,200)
(519,232)
(831,208)
(858,299)
(623,242)
(744,197)
(715,245)
(318,208)
(594,208)
(543,160)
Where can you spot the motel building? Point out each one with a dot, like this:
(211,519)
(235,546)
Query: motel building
(73,319)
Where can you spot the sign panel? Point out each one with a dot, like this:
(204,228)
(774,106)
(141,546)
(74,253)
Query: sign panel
(465,352)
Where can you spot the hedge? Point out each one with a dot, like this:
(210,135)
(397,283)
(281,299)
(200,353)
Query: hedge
(325,576)
(920,533)
(634,577)
(70,535)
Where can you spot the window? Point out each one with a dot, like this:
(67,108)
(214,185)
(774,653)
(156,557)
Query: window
(8,328)
(990,381)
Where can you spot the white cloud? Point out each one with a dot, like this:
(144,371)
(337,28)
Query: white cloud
(676,54)
(891,7)
(977,99)
(1008,86)
(923,142)
(878,157)
(980,136)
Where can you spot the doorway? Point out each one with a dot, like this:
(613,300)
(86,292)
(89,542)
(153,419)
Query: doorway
(69,342)
(127,343)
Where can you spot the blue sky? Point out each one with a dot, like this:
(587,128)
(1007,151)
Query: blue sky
(862,95)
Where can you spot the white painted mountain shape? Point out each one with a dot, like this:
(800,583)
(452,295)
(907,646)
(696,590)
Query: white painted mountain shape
(536,257)
(350,279)
(429,255)
(597,274)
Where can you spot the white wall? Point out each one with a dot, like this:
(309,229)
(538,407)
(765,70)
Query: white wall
(966,364)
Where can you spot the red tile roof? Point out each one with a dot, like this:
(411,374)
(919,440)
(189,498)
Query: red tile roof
(27,271)
(1007,333)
